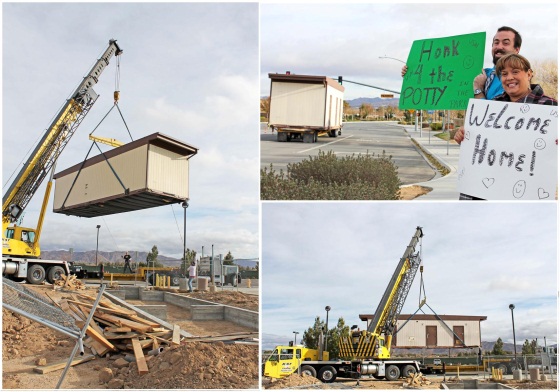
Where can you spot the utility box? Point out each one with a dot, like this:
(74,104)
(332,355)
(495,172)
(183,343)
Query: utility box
(145,173)
(305,106)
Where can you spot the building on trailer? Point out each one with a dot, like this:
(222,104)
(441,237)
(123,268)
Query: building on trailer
(431,331)
(305,106)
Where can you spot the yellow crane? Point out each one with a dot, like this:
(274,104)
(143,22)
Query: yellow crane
(20,245)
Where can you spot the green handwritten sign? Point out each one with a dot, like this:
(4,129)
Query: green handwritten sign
(441,71)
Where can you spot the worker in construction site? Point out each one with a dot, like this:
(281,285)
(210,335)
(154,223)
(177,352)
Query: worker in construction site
(192,275)
(126,258)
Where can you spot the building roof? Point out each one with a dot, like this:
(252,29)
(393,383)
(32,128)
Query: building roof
(430,317)
(310,79)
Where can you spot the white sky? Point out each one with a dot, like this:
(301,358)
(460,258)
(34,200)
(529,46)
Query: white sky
(348,39)
(478,258)
(188,71)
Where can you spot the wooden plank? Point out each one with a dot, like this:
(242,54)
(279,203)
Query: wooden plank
(62,364)
(126,335)
(143,344)
(117,329)
(122,322)
(140,360)
(176,340)
(77,311)
(120,312)
(66,308)
(96,336)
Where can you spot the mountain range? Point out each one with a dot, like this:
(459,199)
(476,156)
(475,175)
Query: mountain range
(375,102)
(88,257)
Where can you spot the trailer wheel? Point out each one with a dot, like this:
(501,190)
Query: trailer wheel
(36,274)
(408,371)
(327,374)
(309,371)
(309,137)
(54,273)
(392,373)
(503,368)
(282,137)
(175,281)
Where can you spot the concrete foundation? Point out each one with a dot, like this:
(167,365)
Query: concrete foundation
(200,309)
(474,384)
(160,311)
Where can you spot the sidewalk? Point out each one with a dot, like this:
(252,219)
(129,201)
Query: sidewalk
(447,153)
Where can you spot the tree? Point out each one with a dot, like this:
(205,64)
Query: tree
(188,258)
(366,109)
(310,337)
(152,257)
(498,347)
(529,347)
(228,260)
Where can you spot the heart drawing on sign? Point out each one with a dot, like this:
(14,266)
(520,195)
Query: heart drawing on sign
(543,194)
(488,182)
(467,135)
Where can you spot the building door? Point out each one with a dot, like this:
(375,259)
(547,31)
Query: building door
(458,331)
(431,335)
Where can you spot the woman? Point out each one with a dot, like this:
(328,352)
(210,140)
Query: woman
(516,73)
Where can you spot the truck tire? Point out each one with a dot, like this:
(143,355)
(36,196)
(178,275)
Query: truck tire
(309,370)
(282,137)
(174,281)
(36,274)
(392,373)
(327,374)
(408,371)
(54,273)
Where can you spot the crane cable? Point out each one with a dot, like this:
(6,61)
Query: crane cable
(421,301)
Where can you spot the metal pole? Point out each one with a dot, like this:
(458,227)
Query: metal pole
(420,123)
(295,338)
(212,266)
(185,206)
(448,131)
(511,307)
(327,308)
(97,245)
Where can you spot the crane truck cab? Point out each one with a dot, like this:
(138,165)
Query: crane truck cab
(286,360)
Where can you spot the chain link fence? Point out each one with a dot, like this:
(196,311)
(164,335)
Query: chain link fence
(19,299)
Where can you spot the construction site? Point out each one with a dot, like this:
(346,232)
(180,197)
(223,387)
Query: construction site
(59,331)
(405,351)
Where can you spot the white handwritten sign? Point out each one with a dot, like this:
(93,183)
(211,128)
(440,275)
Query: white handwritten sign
(509,151)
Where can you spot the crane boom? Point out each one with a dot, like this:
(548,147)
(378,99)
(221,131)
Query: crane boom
(376,341)
(390,306)
(54,140)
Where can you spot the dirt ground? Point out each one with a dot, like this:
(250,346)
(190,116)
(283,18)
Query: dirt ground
(296,381)
(192,365)
(413,191)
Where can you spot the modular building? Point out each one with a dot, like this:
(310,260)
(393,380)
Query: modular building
(305,106)
(431,331)
(149,172)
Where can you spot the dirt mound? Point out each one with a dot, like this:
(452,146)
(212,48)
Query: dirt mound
(527,384)
(17,333)
(293,380)
(198,366)
(229,297)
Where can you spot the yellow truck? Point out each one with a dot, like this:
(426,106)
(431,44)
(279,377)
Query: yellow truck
(369,350)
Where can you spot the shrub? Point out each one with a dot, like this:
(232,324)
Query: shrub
(437,126)
(327,177)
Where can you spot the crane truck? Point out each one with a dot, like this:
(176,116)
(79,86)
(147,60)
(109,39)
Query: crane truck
(368,352)
(20,245)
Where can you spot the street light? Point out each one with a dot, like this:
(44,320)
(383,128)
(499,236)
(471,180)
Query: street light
(185,206)
(392,58)
(97,246)
(327,308)
(295,337)
(511,307)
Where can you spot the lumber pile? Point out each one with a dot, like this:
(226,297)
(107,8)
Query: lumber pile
(117,329)
(417,380)
(70,282)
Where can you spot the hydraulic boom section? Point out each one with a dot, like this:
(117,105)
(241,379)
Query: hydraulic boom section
(376,341)
(19,241)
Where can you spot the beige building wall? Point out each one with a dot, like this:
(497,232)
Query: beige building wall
(413,333)
(300,104)
(98,181)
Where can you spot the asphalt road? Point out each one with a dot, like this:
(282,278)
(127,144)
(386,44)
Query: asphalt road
(356,138)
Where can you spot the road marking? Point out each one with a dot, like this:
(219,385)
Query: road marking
(322,145)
